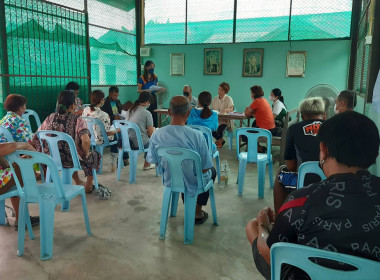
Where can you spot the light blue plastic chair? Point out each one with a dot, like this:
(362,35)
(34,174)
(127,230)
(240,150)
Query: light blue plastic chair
(308,167)
(47,195)
(299,256)
(124,127)
(253,156)
(5,133)
(230,139)
(53,138)
(214,154)
(86,105)
(91,122)
(175,157)
(30,113)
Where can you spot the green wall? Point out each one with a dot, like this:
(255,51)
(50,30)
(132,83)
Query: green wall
(327,62)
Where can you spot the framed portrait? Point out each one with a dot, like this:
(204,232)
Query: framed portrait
(296,64)
(177,64)
(212,62)
(253,62)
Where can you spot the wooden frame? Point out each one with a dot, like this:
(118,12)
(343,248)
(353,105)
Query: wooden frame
(177,64)
(212,62)
(296,64)
(253,62)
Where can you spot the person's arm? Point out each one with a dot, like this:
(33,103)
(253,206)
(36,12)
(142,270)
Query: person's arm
(265,218)
(150,130)
(249,112)
(8,148)
(291,165)
(86,143)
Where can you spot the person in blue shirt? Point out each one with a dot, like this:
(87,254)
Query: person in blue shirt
(145,82)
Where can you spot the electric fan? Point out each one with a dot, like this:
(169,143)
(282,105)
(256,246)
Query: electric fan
(162,96)
(328,94)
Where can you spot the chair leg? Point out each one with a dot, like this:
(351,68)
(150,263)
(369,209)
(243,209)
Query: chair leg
(85,213)
(29,224)
(2,212)
(66,179)
(174,204)
(241,175)
(261,177)
(95,179)
(217,163)
(133,167)
(100,150)
(21,227)
(46,227)
(119,163)
(270,173)
(165,211)
(190,203)
(230,139)
(213,206)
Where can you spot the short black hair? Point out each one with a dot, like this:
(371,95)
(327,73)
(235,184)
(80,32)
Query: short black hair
(349,97)
(72,86)
(113,89)
(351,138)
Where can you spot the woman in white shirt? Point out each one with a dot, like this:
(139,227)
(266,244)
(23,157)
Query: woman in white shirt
(278,108)
(224,105)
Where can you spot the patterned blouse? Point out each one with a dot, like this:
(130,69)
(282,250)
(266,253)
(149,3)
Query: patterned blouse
(79,104)
(17,126)
(103,117)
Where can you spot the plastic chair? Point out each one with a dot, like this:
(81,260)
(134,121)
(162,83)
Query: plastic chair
(27,114)
(52,138)
(175,157)
(299,256)
(309,167)
(86,105)
(124,127)
(5,132)
(47,195)
(230,139)
(252,155)
(208,135)
(91,122)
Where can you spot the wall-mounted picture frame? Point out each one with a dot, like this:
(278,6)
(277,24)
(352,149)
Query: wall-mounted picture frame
(212,62)
(296,64)
(177,64)
(253,62)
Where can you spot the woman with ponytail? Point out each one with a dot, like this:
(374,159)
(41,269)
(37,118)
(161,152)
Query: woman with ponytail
(139,115)
(65,120)
(278,108)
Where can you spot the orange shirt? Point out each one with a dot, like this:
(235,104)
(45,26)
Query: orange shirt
(263,113)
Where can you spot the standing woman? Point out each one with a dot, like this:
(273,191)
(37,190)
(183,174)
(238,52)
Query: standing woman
(278,108)
(144,83)
(224,104)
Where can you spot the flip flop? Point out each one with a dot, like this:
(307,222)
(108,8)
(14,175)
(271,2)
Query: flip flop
(149,167)
(199,221)
(91,190)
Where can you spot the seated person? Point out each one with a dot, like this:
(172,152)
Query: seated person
(301,146)
(6,177)
(139,115)
(346,101)
(187,92)
(67,121)
(177,134)
(224,104)
(278,108)
(335,214)
(15,105)
(75,88)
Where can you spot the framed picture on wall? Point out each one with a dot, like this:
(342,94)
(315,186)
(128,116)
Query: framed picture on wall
(296,64)
(253,62)
(212,62)
(177,64)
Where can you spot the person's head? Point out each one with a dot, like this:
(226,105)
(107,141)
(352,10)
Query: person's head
(144,100)
(15,103)
(73,86)
(149,67)
(179,108)
(66,102)
(351,139)
(97,99)
(113,93)
(223,89)
(187,91)
(276,95)
(346,101)
(312,108)
(256,92)
(204,101)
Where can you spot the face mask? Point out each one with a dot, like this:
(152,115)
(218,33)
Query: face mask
(151,71)
(186,93)
(336,111)
(271,98)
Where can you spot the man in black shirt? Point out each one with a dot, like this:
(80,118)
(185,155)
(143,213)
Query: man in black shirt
(112,105)
(302,145)
(340,214)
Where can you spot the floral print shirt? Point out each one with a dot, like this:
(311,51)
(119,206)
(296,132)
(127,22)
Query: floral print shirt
(103,117)
(17,126)
(79,104)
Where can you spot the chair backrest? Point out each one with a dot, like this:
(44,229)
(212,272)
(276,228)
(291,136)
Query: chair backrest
(207,133)
(91,123)
(27,172)
(175,157)
(27,114)
(6,134)
(53,138)
(86,105)
(299,256)
(308,167)
(125,127)
(253,134)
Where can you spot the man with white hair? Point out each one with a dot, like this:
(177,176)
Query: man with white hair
(302,145)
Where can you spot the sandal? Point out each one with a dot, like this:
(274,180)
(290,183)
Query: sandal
(199,221)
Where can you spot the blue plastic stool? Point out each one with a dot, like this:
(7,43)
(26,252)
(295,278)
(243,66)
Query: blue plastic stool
(30,113)
(46,194)
(175,157)
(262,159)
(308,167)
